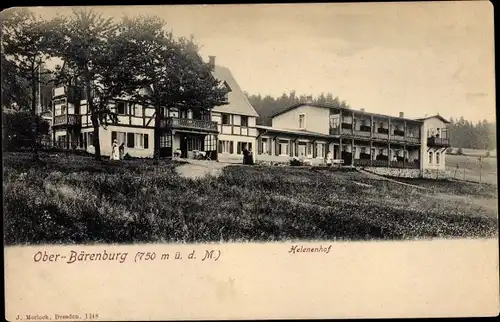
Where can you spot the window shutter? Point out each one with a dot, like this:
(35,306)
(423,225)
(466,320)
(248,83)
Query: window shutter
(290,147)
(314,148)
(260,146)
(231,147)
(239,148)
(130,140)
(276,147)
(146,141)
(220,146)
(113,136)
(296,148)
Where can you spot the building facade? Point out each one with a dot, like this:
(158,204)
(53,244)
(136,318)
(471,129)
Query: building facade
(380,143)
(222,133)
(355,137)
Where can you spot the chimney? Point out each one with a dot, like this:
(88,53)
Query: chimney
(362,110)
(211,61)
(401,114)
(309,99)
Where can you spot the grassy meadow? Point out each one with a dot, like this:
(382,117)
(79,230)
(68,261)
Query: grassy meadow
(469,168)
(74,199)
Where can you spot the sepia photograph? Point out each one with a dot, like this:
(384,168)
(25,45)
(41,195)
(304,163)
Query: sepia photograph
(305,124)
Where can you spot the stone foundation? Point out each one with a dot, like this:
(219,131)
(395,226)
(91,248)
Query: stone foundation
(410,173)
(394,172)
(436,174)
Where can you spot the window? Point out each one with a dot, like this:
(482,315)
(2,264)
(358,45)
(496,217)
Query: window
(354,150)
(120,137)
(225,119)
(302,149)
(210,143)
(226,147)
(264,145)
(242,146)
(120,108)
(381,151)
(130,140)
(244,120)
(64,109)
(309,149)
(165,141)
(437,157)
(141,140)
(320,150)
(302,121)
(334,121)
(430,157)
(189,114)
(283,147)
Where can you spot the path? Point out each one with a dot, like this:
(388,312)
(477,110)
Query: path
(378,177)
(198,168)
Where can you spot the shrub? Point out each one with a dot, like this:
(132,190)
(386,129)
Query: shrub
(296,162)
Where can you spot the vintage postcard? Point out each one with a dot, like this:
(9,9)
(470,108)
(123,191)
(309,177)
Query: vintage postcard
(260,161)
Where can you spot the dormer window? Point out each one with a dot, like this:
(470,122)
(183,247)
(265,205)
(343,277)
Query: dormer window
(302,121)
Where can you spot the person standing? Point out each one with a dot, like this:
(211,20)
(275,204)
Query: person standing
(121,150)
(250,157)
(245,156)
(115,154)
(329,158)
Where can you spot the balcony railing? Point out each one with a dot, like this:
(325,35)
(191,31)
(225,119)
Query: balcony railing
(335,131)
(66,119)
(439,142)
(412,139)
(189,124)
(347,131)
(397,138)
(364,134)
(381,135)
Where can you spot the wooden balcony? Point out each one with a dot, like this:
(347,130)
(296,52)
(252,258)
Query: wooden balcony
(362,134)
(189,124)
(335,131)
(382,136)
(346,131)
(438,142)
(415,140)
(397,138)
(67,120)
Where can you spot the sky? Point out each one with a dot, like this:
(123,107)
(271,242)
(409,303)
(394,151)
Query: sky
(420,58)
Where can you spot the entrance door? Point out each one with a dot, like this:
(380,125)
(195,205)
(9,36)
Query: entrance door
(336,151)
(183,145)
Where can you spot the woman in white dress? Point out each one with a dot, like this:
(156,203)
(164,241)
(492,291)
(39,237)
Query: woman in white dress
(115,153)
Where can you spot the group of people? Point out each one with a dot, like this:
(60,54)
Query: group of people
(118,151)
(247,156)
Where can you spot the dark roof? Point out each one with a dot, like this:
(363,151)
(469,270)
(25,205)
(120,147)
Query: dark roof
(437,115)
(342,108)
(289,131)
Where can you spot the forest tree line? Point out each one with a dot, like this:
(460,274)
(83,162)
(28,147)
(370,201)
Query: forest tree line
(463,133)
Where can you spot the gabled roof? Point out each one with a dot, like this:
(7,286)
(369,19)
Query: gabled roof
(343,108)
(290,131)
(238,101)
(433,116)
